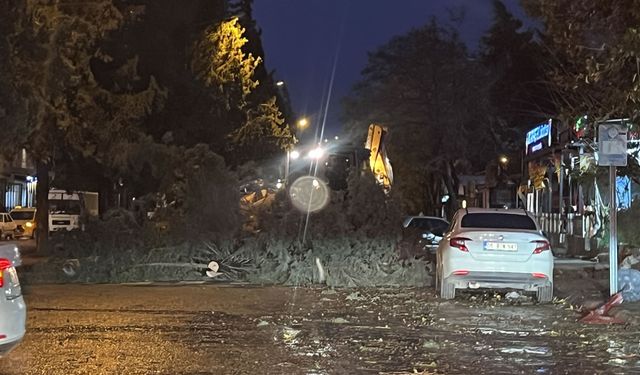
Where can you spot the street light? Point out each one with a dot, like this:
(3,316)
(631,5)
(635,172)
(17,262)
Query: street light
(294,154)
(316,153)
(503,159)
(280,83)
(303,123)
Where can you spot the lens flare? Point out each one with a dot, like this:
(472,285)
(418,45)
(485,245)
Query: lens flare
(309,194)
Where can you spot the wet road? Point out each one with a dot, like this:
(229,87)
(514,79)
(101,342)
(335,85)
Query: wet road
(206,329)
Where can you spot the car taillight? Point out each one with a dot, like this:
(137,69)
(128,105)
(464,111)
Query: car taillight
(5,264)
(459,243)
(460,272)
(541,246)
(9,280)
(539,275)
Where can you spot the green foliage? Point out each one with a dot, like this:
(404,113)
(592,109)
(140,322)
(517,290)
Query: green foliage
(371,212)
(207,194)
(595,52)
(344,262)
(263,134)
(363,210)
(51,68)
(258,129)
(221,63)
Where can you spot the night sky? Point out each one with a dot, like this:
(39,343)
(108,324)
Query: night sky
(302,37)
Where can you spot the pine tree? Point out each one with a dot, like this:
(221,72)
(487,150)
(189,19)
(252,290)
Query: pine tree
(257,124)
(519,97)
(67,111)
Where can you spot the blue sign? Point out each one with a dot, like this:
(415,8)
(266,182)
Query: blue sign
(623,190)
(538,138)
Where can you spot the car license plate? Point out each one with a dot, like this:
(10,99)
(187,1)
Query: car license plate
(501,246)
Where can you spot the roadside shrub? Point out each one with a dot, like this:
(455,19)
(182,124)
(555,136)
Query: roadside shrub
(337,262)
(351,242)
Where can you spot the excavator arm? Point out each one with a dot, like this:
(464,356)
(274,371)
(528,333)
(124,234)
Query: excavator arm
(378,159)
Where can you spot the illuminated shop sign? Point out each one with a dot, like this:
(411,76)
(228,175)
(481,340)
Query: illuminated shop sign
(538,138)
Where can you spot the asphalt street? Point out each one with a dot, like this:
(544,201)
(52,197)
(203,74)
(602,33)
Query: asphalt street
(215,329)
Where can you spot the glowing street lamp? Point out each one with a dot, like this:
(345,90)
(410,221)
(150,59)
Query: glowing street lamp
(294,154)
(316,153)
(503,159)
(303,123)
(280,83)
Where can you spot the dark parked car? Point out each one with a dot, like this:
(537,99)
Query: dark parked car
(421,236)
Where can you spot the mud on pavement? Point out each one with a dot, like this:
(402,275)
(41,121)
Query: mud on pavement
(106,329)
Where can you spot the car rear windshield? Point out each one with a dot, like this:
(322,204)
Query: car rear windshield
(498,221)
(429,224)
(23,215)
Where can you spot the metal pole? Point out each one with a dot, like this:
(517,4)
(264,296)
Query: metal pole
(613,231)
(286,168)
(561,187)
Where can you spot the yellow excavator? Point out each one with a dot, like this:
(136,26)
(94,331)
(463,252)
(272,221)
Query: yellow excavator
(378,160)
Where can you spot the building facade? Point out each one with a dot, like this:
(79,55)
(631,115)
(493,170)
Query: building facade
(17,182)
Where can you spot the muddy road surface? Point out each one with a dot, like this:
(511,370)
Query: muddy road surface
(208,329)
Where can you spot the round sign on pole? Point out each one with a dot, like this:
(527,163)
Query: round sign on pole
(612,145)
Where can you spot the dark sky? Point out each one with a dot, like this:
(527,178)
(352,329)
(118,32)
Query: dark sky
(302,37)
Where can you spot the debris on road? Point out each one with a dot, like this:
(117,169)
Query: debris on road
(289,335)
(70,267)
(600,315)
(513,295)
(631,261)
(212,270)
(355,296)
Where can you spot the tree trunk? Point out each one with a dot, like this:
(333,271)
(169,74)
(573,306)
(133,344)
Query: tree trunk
(449,182)
(42,206)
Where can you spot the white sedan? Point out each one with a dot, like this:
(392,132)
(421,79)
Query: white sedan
(13,310)
(494,248)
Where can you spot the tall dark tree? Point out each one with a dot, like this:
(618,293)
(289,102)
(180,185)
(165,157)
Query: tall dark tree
(258,130)
(162,40)
(431,95)
(66,109)
(243,9)
(519,95)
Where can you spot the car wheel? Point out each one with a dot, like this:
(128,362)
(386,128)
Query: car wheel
(447,290)
(544,294)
